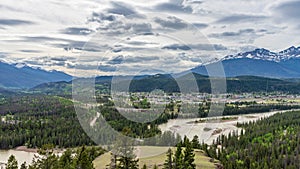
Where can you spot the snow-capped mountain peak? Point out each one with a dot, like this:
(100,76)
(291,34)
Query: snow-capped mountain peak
(264,54)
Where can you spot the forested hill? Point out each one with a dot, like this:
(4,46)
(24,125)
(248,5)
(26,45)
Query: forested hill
(168,84)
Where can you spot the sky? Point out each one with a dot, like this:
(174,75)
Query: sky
(100,37)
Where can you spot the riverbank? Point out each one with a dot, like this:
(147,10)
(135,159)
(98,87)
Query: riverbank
(208,129)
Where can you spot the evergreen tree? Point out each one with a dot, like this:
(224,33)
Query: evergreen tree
(169,162)
(82,159)
(12,163)
(66,160)
(127,158)
(23,166)
(189,157)
(178,158)
(195,142)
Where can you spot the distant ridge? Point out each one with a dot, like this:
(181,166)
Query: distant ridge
(260,62)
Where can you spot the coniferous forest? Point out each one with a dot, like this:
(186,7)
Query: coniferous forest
(272,142)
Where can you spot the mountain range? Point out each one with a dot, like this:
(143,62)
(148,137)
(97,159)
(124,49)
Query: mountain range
(259,62)
(23,76)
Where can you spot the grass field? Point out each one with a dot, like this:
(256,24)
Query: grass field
(201,161)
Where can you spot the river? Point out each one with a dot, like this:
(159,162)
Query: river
(210,130)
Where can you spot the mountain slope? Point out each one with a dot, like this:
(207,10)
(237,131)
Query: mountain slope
(260,62)
(169,84)
(13,76)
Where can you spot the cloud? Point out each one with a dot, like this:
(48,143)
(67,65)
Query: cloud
(175,6)
(177,47)
(117,60)
(131,59)
(107,68)
(233,34)
(77,31)
(101,17)
(141,43)
(49,61)
(66,44)
(171,22)
(140,59)
(14,22)
(240,18)
(200,25)
(287,11)
(119,27)
(120,8)
(30,51)
(204,47)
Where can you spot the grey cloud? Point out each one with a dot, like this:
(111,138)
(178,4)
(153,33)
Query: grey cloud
(107,68)
(240,18)
(173,6)
(83,66)
(65,44)
(131,59)
(120,27)
(172,22)
(42,38)
(140,43)
(177,47)
(14,22)
(30,51)
(100,17)
(288,11)
(200,25)
(196,2)
(117,60)
(205,47)
(140,59)
(121,9)
(77,31)
(141,28)
(233,34)
(63,58)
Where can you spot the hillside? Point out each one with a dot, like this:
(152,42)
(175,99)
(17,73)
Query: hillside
(201,160)
(168,84)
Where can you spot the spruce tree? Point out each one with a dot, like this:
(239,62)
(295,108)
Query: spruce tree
(124,149)
(12,163)
(23,166)
(169,162)
(189,157)
(178,163)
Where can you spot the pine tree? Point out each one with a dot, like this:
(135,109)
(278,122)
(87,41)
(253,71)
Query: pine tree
(189,157)
(66,160)
(12,163)
(23,166)
(195,142)
(144,166)
(82,159)
(169,162)
(178,157)
(124,146)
